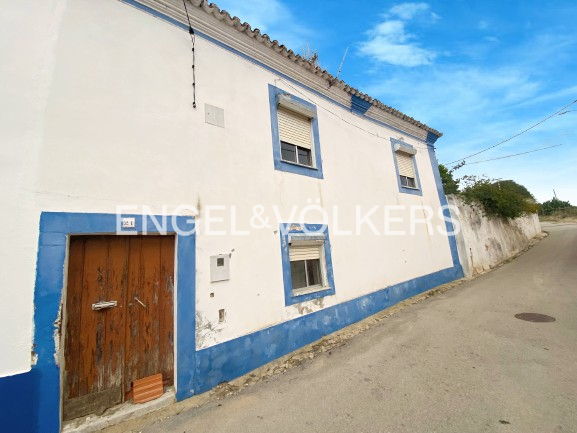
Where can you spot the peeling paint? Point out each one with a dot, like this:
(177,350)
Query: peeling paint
(310,307)
(56,335)
(205,330)
(303,308)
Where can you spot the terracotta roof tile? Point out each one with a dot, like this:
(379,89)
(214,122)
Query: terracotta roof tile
(243,27)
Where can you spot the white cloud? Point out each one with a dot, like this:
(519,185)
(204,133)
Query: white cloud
(407,11)
(271,17)
(389,41)
(479,106)
(461,92)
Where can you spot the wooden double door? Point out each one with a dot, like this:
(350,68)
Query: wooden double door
(119,319)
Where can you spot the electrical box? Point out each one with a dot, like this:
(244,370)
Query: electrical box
(213,115)
(219,267)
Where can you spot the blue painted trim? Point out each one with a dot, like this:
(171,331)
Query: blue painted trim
(446,212)
(285,231)
(55,228)
(404,189)
(18,402)
(359,105)
(279,164)
(234,358)
(183,26)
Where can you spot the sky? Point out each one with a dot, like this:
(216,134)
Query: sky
(478,71)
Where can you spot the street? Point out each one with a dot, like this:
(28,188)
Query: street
(456,362)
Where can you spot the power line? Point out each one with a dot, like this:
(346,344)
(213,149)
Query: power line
(514,154)
(375,134)
(561,111)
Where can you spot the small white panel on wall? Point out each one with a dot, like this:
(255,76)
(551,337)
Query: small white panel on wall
(219,267)
(213,115)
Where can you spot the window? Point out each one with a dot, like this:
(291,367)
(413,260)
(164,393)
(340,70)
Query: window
(295,134)
(306,271)
(296,154)
(406,167)
(307,266)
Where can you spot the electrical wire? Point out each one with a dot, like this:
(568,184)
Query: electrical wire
(375,134)
(193,40)
(559,112)
(512,155)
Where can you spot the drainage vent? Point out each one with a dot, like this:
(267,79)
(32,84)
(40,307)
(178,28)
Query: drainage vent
(535,317)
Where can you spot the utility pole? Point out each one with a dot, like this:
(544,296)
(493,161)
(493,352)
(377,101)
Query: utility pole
(554,194)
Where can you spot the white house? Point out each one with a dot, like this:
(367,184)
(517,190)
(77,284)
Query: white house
(196,231)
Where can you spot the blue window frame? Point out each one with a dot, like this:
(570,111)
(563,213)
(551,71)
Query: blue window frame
(395,146)
(316,170)
(316,234)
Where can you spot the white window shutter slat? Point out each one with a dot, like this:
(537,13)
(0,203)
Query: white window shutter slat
(294,128)
(405,164)
(303,252)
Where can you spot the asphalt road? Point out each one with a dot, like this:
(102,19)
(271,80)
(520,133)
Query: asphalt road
(457,362)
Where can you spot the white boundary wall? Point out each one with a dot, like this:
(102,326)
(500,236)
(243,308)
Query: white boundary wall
(484,242)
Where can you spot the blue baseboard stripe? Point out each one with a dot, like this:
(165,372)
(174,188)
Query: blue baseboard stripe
(229,360)
(19,402)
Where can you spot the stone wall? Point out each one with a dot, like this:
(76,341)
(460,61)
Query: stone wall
(484,242)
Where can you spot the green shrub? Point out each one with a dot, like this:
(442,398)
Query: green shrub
(505,199)
(450,184)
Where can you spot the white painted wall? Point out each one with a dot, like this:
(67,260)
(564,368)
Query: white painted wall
(96,112)
(484,242)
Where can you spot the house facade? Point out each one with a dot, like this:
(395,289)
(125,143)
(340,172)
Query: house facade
(191,203)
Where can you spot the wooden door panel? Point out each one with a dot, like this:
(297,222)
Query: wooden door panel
(112,343)
(149,316)
(92,322)
(94,346)
(73,302)
(106,350)
(166,309)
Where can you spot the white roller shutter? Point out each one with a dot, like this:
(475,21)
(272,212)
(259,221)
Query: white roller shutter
(305,252)
(405,164)
(294,128)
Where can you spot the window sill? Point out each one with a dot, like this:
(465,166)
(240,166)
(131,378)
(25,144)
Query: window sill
(409,190)
(310,167)
(309,290)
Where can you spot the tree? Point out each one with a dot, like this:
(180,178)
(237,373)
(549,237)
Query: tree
(450,185)
(550,206)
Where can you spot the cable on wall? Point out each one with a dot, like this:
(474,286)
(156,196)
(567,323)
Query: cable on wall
(193,40)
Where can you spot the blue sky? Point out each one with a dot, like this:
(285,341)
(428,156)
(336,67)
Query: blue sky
(479,71)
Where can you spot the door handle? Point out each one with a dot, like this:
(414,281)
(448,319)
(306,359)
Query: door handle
(139,301)
(103,305)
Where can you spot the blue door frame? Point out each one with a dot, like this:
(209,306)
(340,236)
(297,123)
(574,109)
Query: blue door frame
(55,229)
